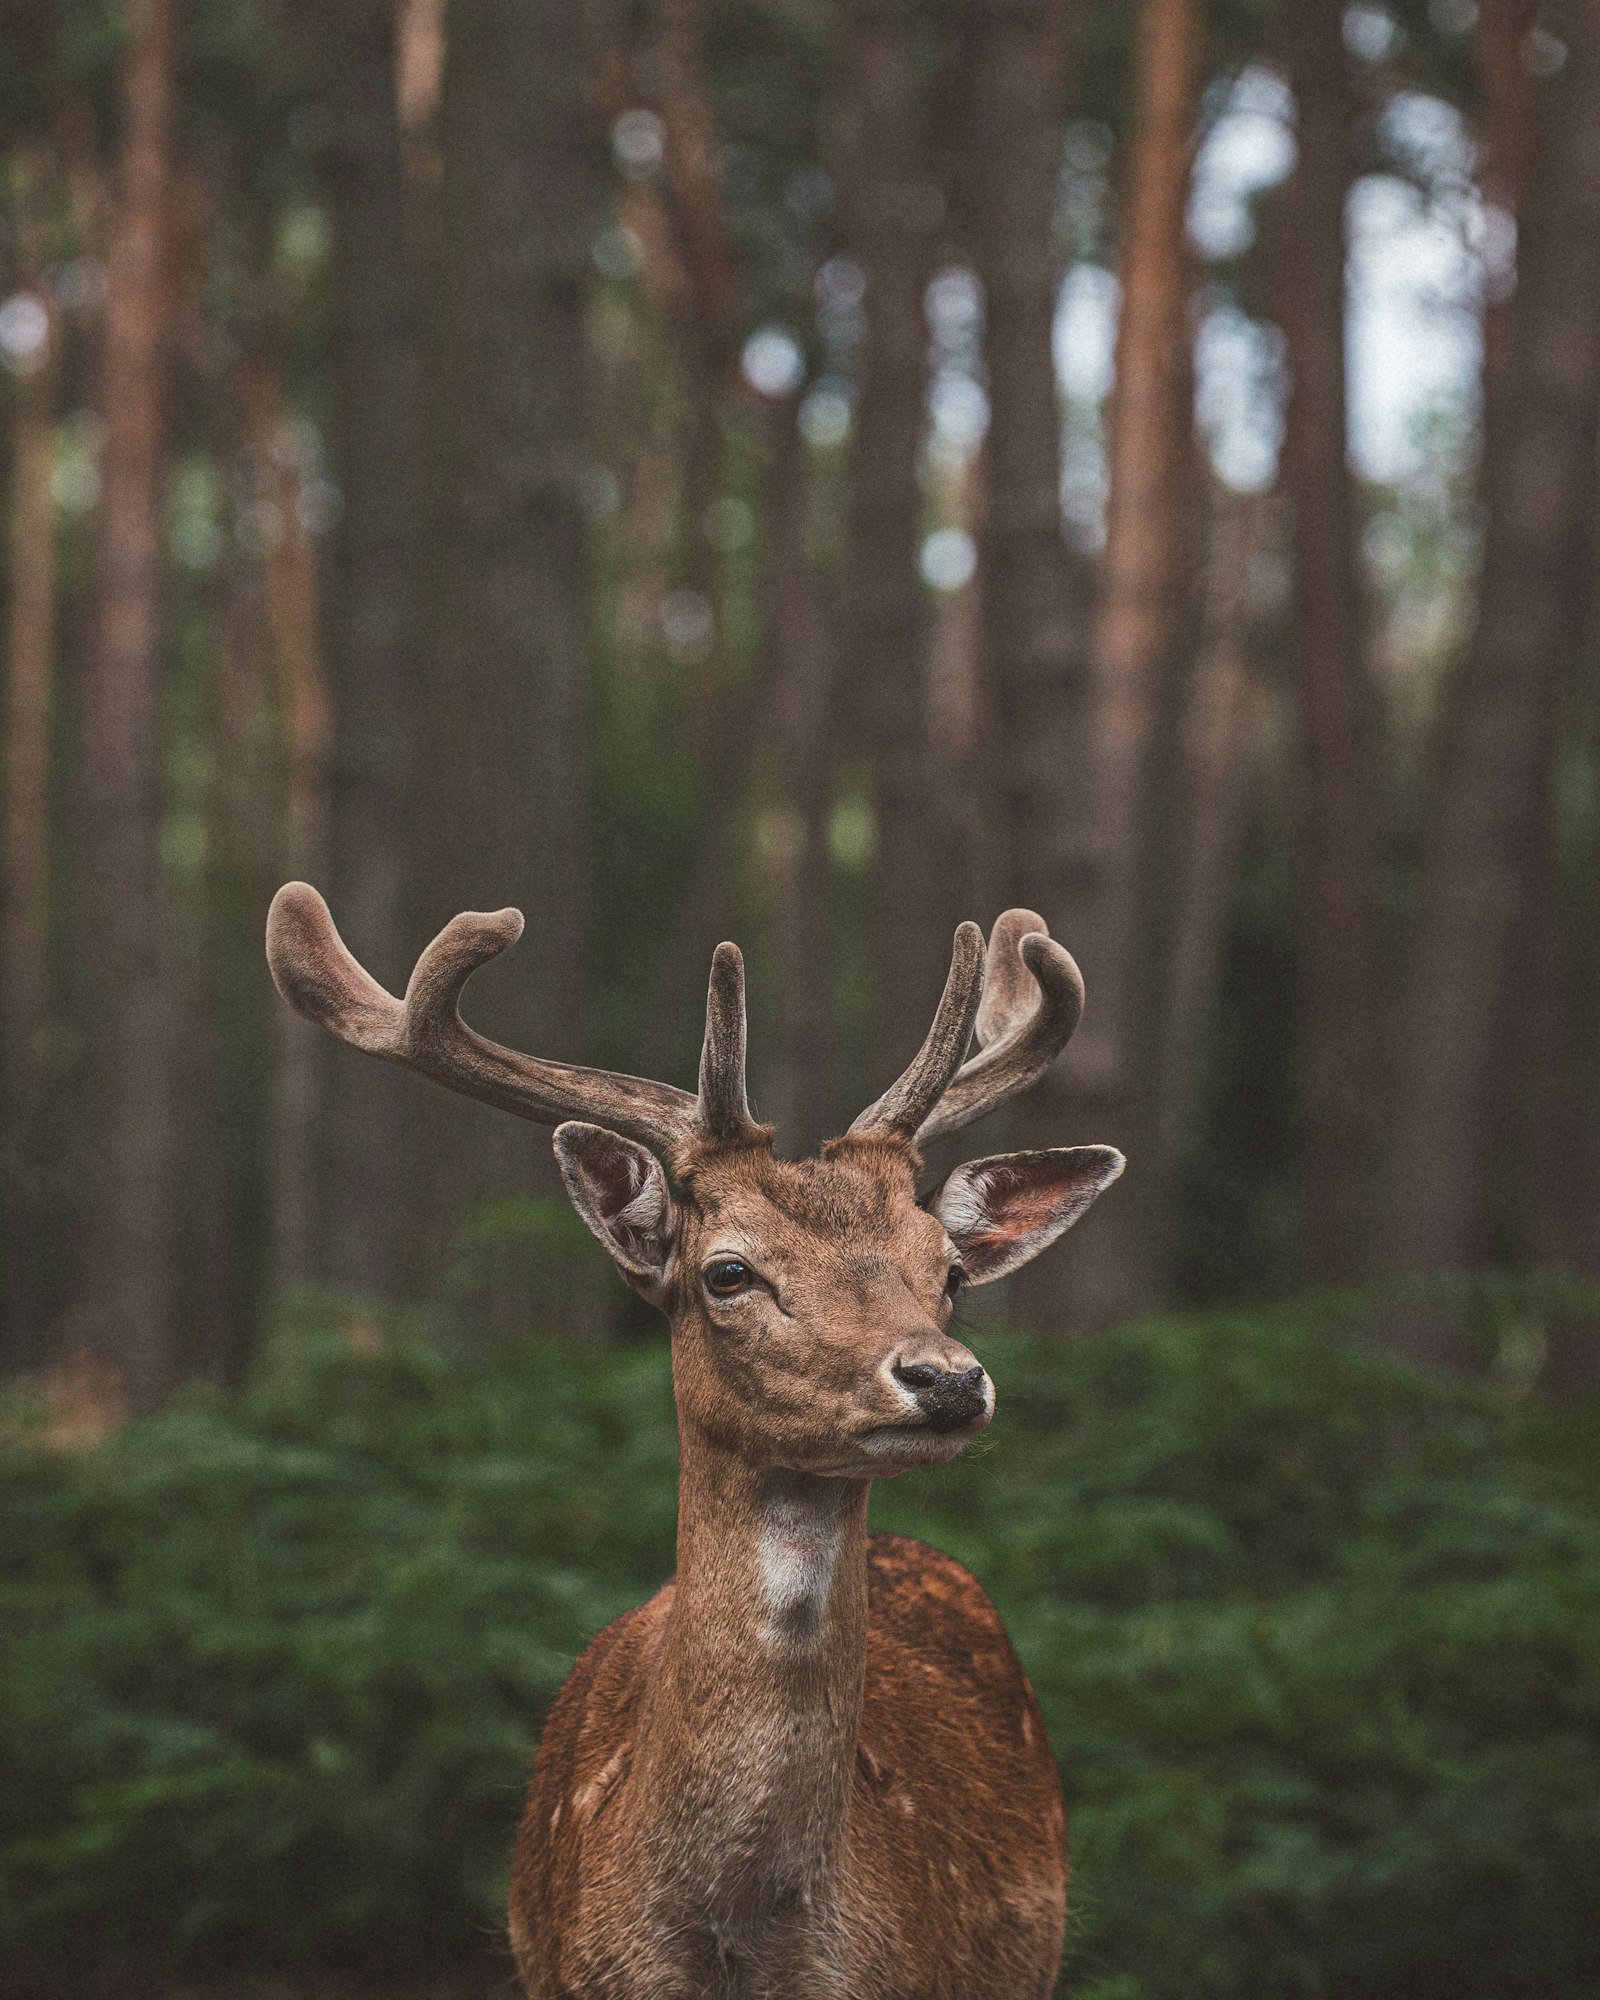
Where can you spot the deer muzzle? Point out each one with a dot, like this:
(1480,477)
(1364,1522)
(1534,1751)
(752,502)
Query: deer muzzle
(950,1398)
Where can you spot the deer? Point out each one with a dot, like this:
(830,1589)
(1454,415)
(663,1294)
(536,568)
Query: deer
(811,1767)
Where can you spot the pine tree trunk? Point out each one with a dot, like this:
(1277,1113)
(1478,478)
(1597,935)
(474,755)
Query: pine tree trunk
(1488,848)
(124,1323)
(886,639)
(1339,894)
(1043,777)
(708,336)
(795,787)
(499,785)
(1504,134)
(290,602)
(1217,767)
(374,637)
(25,831)
(1147,612)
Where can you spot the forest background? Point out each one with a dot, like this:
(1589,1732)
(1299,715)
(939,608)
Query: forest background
(807,473)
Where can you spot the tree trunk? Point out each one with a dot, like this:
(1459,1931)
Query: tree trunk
(1147,614)
(1549,1098)
(1488,849)
(374,640)
(289,576)
(1217,764)
(245,864)
(1504,132)
(886,638)
(1041,753)
(796,787)
(708,312)
(1339,894)
(25,831)
(124,1322)
(499,786)
(690,270)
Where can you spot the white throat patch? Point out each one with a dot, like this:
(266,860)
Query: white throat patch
(799,1546)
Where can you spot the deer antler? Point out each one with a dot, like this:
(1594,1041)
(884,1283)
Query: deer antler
(425,1032)
(905,1105)
(1032,999)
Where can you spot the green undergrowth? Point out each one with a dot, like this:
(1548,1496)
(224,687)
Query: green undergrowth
(1317,1637)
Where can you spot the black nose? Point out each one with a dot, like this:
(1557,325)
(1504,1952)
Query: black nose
(947,1397)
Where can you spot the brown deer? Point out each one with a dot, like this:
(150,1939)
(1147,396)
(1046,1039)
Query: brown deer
(811,1767)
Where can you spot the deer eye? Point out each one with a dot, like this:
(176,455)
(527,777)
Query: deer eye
(727,1277)
(954,1280)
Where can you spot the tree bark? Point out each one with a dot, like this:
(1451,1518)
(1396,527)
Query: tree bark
(290,601)
(690,268)
(795,790)
(886,639)
(1504,133)
(374,637)
(1043,775)
(499,784)
(1217,764)
(124,1323)
(1147,613)
(25,831)
(1488,848)
(1339,865)
(708,331)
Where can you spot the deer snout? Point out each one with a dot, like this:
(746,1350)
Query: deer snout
(949,1397)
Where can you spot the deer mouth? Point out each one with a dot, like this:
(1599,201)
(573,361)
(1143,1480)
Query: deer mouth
(921,1440)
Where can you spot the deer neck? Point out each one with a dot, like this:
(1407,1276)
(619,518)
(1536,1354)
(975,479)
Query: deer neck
(749,1736)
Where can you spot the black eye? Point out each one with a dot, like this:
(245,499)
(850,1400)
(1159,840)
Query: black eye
(955,1280)
(726,1277)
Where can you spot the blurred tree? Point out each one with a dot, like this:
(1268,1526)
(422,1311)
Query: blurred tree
(273,475)
(695,278)
(1043,777)
(1500,39)
(707,312)
(30,669)
(795,752)
(498,804)
(885,202)
(1147,614)
(122,1319)
(1219,760)
(1490,828)
(1337,833)
(374,629)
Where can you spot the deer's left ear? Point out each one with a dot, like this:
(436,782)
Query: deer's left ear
(1002,1211)
(621,1192)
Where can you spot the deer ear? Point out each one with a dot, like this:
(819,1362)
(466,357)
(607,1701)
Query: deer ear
(621,1192)
(1002,1211)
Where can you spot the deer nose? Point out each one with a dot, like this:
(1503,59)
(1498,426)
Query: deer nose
(947,1397)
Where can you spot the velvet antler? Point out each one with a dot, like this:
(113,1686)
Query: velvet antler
(1030,1002)
(425,1032)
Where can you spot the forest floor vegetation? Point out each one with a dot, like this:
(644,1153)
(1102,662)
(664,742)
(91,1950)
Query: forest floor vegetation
(1317,1635)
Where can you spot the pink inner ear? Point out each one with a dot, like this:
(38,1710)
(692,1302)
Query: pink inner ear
(1019,1204)
(618,1174)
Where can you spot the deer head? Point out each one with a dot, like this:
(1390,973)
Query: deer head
(810,1300)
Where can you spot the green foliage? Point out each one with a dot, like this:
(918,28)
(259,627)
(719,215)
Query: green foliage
(1318,1639)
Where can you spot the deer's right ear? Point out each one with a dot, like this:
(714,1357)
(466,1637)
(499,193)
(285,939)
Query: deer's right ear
(621,1192)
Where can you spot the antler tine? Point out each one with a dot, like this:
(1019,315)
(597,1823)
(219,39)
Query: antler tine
(905,1105)
(425,1032)
(724,1107)
(1032,1001)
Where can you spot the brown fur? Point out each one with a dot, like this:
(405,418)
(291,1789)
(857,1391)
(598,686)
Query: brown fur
(811,1767)
(955,1831)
